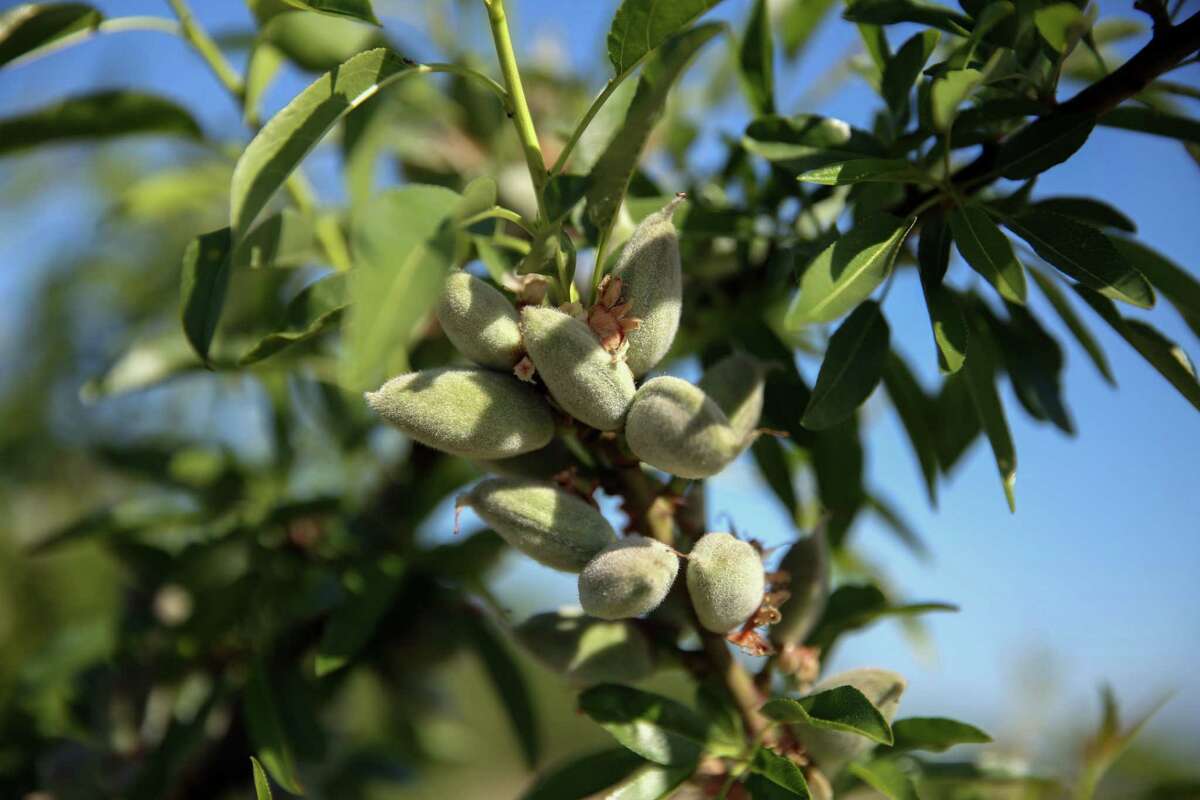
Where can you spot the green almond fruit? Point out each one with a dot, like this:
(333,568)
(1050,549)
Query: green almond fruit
(629,578)
(676,427)
(581,375)
(736,384)
(546,523)
(725,581)
(466,411)
(652,278)
(832,750)
(480,321)
(807,564)
(587,650)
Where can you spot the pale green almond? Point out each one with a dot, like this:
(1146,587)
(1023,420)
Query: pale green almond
(676,427)
(628,578)
(466,411)
(652,278)
(736,384)
(725,581)
(582,376)
(480,321)
(832,750)
(544,522)
(588,650)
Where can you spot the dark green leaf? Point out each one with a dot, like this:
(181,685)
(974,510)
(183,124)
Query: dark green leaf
(289,136)
(281,240)
(773,465)
(1177,285)
(846,272)
(101,115)
(653,782)
(1163,354)
(203,285)
(888,12)
(400,272)
(509,682)
(1065,312)
(265,728)
(807,141)
(851,607)
(936,734)
(1083,253)
(837,459)
(987,250)
(311,313)
(351,625)
(641,26)
(945,317)
(583,776)
(780,771)
(862,170)
(562,192)
(1087,210)
(609,177)
(957,424)
(979,375)
(1034,361)
(355,9)
(1151,120)
(843,708)
(756,57)
(905,67)
(852,367)
(655,727)
(916,413)
(262,786)
(1042,144)
(30,26)
(948,92)
(759,787)
(886,778)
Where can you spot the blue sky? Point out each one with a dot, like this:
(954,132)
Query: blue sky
(1095,578)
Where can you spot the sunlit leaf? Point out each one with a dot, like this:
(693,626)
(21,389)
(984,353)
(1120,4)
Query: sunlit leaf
(987,250)
(652,782)
(843,708)
(355,9)
(936,734)
(101,115)
(808,141)
(780,771)
(887,778)
(861,170)
(32,25)
(1060,24)
(318,42)
(945,317)
(641,26)
(948,93)
(262,786)
(655,727)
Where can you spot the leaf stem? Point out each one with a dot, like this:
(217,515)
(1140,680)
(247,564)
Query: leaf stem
(518,108)
(498,212)
(198,38)
(467,72)
(594,109)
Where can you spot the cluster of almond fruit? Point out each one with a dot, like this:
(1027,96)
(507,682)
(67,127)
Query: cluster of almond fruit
(538,363)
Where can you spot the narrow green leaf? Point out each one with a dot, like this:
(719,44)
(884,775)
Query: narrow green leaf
(318,42)
(843,708)
(1060,24)
(780,771)
(281,240)
(948,92)
(1034,361)
(583,776)
(101,115)
(288,137)
(653,782)
(609,177)
(1087,210)
(354,9)
(399,275)
(266,730)
(847,271)
(656,728)
(509,683)
(351,625)
(756,58)
(889,12)
(987,250)
(312,312)
(905,67)
(807,141)
(203,285)
(957,424)
(887,778)
(854,606)
(916,413)
(935,734)
(862,170)
(1083,253)
(1153,121)
(262,786)
(265,62)
(899,526)
(1163,354)
(773,465)
(851,370)
(1042,144)
(945,317)
(562,192)
(979,375)
(32,25)
(1177,285)
(799,21)
(641,26)
(1080,331)
(837,460)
